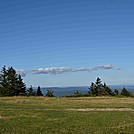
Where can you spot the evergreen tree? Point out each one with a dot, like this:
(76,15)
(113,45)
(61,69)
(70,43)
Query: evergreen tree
(116,92)
(109,92)
(12,81)
(39,93)
(31,92)
(4,91)
(95,88)
(98,88)
(98,83)
(11,84)
(21,86)
(92,89)
(49,93)
(125,92)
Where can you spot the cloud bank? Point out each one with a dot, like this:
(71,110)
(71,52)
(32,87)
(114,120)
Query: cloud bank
(62,70)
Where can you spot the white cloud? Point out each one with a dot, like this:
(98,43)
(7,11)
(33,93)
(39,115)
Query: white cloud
(61,70)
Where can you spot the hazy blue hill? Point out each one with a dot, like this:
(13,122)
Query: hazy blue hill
(63,91)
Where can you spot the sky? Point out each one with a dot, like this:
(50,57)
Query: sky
(68,42)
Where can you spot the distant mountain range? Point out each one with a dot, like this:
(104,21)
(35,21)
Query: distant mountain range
(63,91)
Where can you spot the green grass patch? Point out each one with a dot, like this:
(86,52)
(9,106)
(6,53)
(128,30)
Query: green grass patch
(41,115)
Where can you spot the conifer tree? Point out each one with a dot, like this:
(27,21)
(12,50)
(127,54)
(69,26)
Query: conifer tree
(30,91)
(39,93)
(125,92)
(92,89)
(116,92)
(21,86)
(49,93)
(12,81)
(11,84)
(4,91)
(99,89)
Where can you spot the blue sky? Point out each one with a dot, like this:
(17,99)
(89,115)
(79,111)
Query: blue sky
(40,35)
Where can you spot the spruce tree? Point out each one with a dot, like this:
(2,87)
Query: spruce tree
(49,93)
(11,84)
(21,87)
(31,92)
(39,93)
(116,92)
(125,92)
(92,89)
(98,86)
(99,89)
(12,81)
(4,91)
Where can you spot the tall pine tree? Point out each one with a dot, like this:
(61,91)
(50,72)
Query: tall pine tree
(21,86)
(4,90)
(31,92)
(11,84)
(39,93)
(99,89)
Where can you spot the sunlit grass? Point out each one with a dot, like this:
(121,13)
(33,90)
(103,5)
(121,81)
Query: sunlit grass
(24,115)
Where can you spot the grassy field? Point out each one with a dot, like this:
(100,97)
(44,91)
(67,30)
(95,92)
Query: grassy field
(42,115)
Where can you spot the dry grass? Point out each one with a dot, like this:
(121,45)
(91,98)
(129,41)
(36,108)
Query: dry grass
(100,109)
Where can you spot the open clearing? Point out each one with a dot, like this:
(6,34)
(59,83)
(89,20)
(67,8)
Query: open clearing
(80,115)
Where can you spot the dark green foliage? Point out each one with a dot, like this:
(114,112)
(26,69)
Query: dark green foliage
(92,89)
(39,93)
(98,83)
(21,86)
(116,92)
(11,84)
(107,90)
(31,92)
(125,92)
(49,93)
(99,89)
(4,82)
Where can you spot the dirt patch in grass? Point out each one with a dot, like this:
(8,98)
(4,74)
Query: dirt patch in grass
(91,109)
(100,109)
(3,117)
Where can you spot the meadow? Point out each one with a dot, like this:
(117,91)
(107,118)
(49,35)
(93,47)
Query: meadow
(61,115)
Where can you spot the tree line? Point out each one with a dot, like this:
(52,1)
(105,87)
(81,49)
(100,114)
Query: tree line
(100,89)
(11,84)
